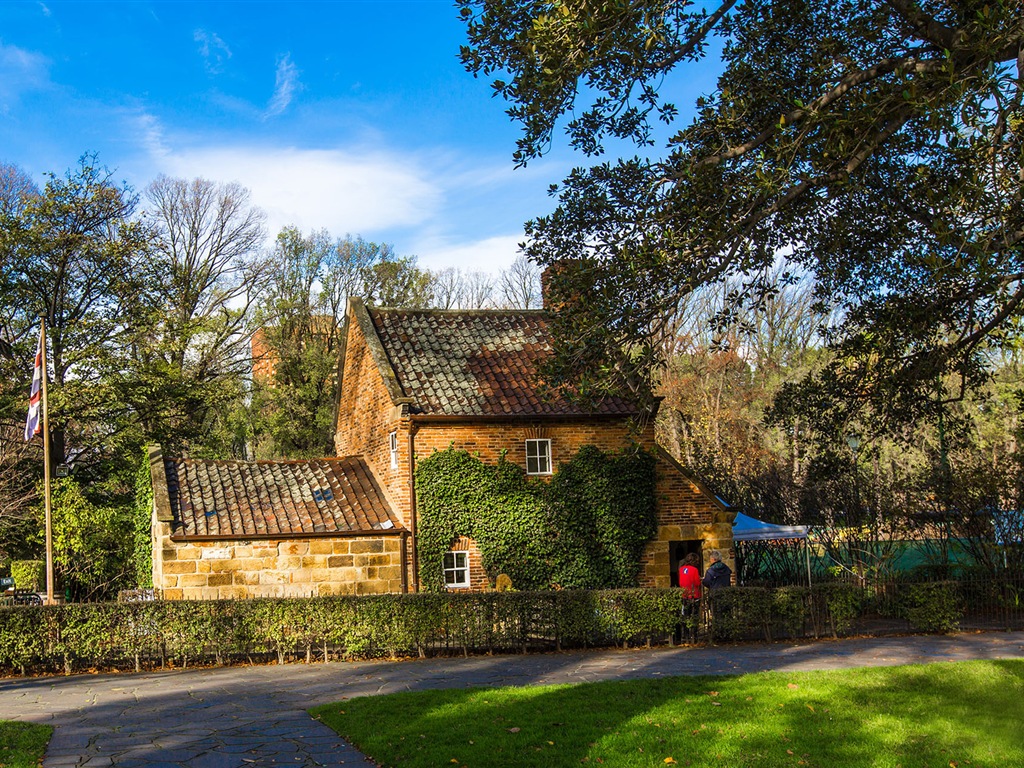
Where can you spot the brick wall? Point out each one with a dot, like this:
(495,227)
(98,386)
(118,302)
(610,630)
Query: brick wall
(366,418)
(477,578)
(264,361)
(487,440)
(367,415)
(241,569)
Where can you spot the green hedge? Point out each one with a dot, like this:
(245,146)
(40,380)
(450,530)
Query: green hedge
(181,633)
(157,633)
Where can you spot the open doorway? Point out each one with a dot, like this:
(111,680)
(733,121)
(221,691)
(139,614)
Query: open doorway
(677,550)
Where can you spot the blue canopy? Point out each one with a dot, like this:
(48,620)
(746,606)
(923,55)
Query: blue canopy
(747,528)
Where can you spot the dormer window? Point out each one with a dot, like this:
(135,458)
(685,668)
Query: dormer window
(393,445)
(538,457)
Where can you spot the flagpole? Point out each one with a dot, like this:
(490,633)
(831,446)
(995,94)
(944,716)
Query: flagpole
(46,470)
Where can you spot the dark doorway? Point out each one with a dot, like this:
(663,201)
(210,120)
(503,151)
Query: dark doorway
(677,550)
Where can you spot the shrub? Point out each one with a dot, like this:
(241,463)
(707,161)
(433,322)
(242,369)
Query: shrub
(934,606)
(836,605)
(28,574)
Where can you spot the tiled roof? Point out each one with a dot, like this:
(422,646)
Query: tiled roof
(474,363)
(238,498)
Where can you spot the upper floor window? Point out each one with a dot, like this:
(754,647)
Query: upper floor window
(538,457)
(456,570)
(393,445)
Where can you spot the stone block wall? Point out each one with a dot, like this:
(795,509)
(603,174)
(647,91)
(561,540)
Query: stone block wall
(686,512)
(218,570)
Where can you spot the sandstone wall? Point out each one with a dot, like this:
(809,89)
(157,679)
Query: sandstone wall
(241,569)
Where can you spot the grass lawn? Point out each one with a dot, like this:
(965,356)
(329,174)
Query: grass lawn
(22,744)
(929,716)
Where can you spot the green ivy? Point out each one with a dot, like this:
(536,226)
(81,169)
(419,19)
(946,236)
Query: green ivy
(142,517)
(585,529)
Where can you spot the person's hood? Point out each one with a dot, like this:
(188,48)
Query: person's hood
(717,566)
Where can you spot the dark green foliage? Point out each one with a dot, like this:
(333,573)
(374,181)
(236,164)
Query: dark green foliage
(94,542)
(142,519)
(602,513)
(934,606)
(877,143)
(836,605)
(72,636)
(458,495)
(586,529)
(156,633)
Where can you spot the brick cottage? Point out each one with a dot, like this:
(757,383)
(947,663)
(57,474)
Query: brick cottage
(412,382)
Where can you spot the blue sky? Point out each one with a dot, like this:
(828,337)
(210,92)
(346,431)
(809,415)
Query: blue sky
(351,116)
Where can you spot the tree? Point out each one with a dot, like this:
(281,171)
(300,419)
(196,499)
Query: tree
(878,142)
(191,355)
(301,318)
(75,255)
(520,285)
(396,281)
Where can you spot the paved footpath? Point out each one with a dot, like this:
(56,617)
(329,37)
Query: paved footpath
(236,717)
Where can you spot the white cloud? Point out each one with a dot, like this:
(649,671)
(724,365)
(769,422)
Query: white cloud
(492,254)
(45,9)
(341,191)
(215,52)
(149,132)
(286,83)
(21,71)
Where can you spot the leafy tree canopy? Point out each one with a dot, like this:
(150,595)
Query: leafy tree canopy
(875,143)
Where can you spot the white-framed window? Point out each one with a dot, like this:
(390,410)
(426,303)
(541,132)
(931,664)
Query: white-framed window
(393,445)
(456,570)
(538,457)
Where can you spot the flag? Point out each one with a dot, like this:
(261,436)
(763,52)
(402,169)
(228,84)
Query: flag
(33,426)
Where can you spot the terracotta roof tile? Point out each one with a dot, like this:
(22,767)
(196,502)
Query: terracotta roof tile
(236,498)
(475,363)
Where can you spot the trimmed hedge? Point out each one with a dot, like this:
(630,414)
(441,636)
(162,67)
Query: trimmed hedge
(156,633)
(150,634)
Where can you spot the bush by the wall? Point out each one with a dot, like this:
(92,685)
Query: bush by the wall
(28,574)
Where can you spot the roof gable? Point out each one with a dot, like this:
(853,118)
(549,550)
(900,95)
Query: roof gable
(474,362)
(237,499)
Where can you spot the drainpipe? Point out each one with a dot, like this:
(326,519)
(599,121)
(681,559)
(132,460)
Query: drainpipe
(404,561)
(412,505)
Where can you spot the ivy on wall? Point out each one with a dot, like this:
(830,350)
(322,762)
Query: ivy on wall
(142,517)
(585,529)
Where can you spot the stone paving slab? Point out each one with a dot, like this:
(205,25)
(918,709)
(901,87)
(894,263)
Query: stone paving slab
(238,717)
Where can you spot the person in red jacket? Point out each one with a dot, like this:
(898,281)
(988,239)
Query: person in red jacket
(689,577)
(689,582)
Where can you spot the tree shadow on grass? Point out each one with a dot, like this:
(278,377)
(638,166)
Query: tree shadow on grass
(902,716)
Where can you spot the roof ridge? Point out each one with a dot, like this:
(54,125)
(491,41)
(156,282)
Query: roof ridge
(432,311)
(231,462)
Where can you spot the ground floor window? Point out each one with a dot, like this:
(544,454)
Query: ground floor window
(456,570)
(538,457)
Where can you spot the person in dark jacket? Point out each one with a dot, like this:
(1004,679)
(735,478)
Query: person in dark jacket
(718,573)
